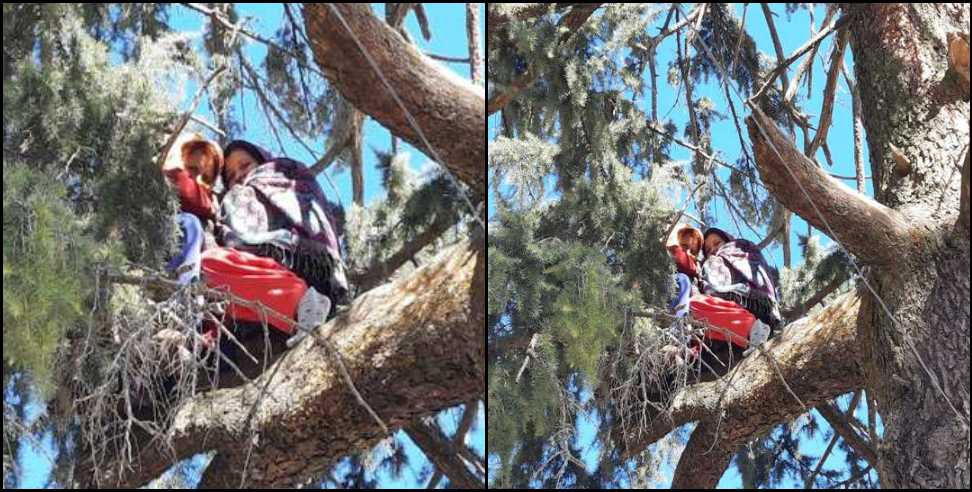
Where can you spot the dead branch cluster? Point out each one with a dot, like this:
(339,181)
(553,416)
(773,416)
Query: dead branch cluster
(644,379)
(141,359)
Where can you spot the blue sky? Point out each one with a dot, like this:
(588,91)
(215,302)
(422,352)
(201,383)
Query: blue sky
(447,23)
(793,32)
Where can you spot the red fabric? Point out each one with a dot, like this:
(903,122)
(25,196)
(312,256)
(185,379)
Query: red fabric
(254,278)
(729,319)
(684,262)
(195,199)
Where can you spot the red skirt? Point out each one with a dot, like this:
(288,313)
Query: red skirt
(255,278)
(731,322)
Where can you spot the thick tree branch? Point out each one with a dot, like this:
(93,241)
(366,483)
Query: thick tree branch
(704,459)
(811,356)
(449,110)
(866,228)
(958,58)
(412,347)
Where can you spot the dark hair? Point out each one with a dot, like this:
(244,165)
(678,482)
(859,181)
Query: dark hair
(714,230)
(243,145)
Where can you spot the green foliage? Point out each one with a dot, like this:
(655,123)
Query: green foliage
(582,103)
(567,271)
(102,144)
(45,264)
(81,183)
(412,205)
(731,46)
(820,267)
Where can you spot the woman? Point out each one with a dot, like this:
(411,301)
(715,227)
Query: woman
(192,169)
(736,270)
(729,321)
(276,226)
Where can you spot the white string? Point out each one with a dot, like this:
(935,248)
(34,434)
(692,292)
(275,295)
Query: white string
(823,219)
(408,115)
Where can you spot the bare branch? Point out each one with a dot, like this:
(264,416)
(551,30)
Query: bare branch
(868,229)
(808,483)
(768,15)
(530,353)
(827,109)
(368,279)
(781,67)
(217,17)
(164,153)
(472,34)
(469,414)
(445,58)
(838,421)
(799,311)
(435,315)
(444,454)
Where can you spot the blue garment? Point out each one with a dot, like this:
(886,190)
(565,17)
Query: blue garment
(684,293)
(190,255)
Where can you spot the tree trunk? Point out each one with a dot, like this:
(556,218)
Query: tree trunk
(918,362)
(914,333)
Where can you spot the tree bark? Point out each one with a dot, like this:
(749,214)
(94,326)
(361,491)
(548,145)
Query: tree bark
(449,110)
(917,350)
(704,459)
(864,227)
(413,347)
(914,332)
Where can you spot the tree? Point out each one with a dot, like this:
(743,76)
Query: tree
(408,347)
(578,115)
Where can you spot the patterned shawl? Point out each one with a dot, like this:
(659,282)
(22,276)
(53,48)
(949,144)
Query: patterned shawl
(738,271)
(279,210)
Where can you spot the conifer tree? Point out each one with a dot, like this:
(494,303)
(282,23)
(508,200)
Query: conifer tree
(91,92)
(586,191)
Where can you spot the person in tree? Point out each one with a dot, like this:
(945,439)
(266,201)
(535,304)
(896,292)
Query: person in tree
(736,270)
(275,213)
(728,320)
(193,169)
